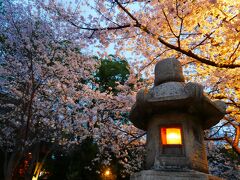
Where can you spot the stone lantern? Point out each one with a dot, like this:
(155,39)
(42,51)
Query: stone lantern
(174,114)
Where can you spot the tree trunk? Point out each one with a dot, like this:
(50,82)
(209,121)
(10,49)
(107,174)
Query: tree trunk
(33,162)
(10,164)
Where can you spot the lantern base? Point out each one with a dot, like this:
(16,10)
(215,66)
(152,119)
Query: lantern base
(172,175)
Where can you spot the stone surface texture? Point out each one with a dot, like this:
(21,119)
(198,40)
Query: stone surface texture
(173,103)
(169,70)
(172,93)
(172,175)
(193,155)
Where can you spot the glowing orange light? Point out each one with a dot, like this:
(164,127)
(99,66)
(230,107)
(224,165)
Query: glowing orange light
(107,173)
(171,136)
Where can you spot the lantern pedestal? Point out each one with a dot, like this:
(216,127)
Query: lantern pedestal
(172,175)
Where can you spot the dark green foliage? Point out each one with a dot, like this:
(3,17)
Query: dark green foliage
(81,158)
(116,168)
(2,38)
(1,163)
(111,71)
(56,166)
(73,165)
(1,7)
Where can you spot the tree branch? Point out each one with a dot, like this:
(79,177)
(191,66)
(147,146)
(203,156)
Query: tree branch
(154,59)
(169,23)
(188,53)
(234,52)
(128,13)
(100,28)
(228,140)
(208,36)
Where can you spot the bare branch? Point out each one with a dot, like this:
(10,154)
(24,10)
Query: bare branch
(233,142)
(128,13)
(152,61)
(100,28)
(234,52)
(136,138)
(219,128)
(181,25)
(208,36)
(169,23)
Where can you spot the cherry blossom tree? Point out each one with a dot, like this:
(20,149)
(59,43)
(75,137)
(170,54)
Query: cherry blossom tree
(223,161)
(202,34)
(41,75)
(48,92)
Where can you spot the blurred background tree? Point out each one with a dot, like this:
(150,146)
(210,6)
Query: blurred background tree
(111,72)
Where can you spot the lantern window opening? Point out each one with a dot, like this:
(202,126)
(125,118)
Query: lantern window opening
(171,135)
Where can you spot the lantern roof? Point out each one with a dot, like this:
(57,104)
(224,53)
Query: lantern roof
(171,93)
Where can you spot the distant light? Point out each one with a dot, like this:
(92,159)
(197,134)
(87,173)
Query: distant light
(107,173)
